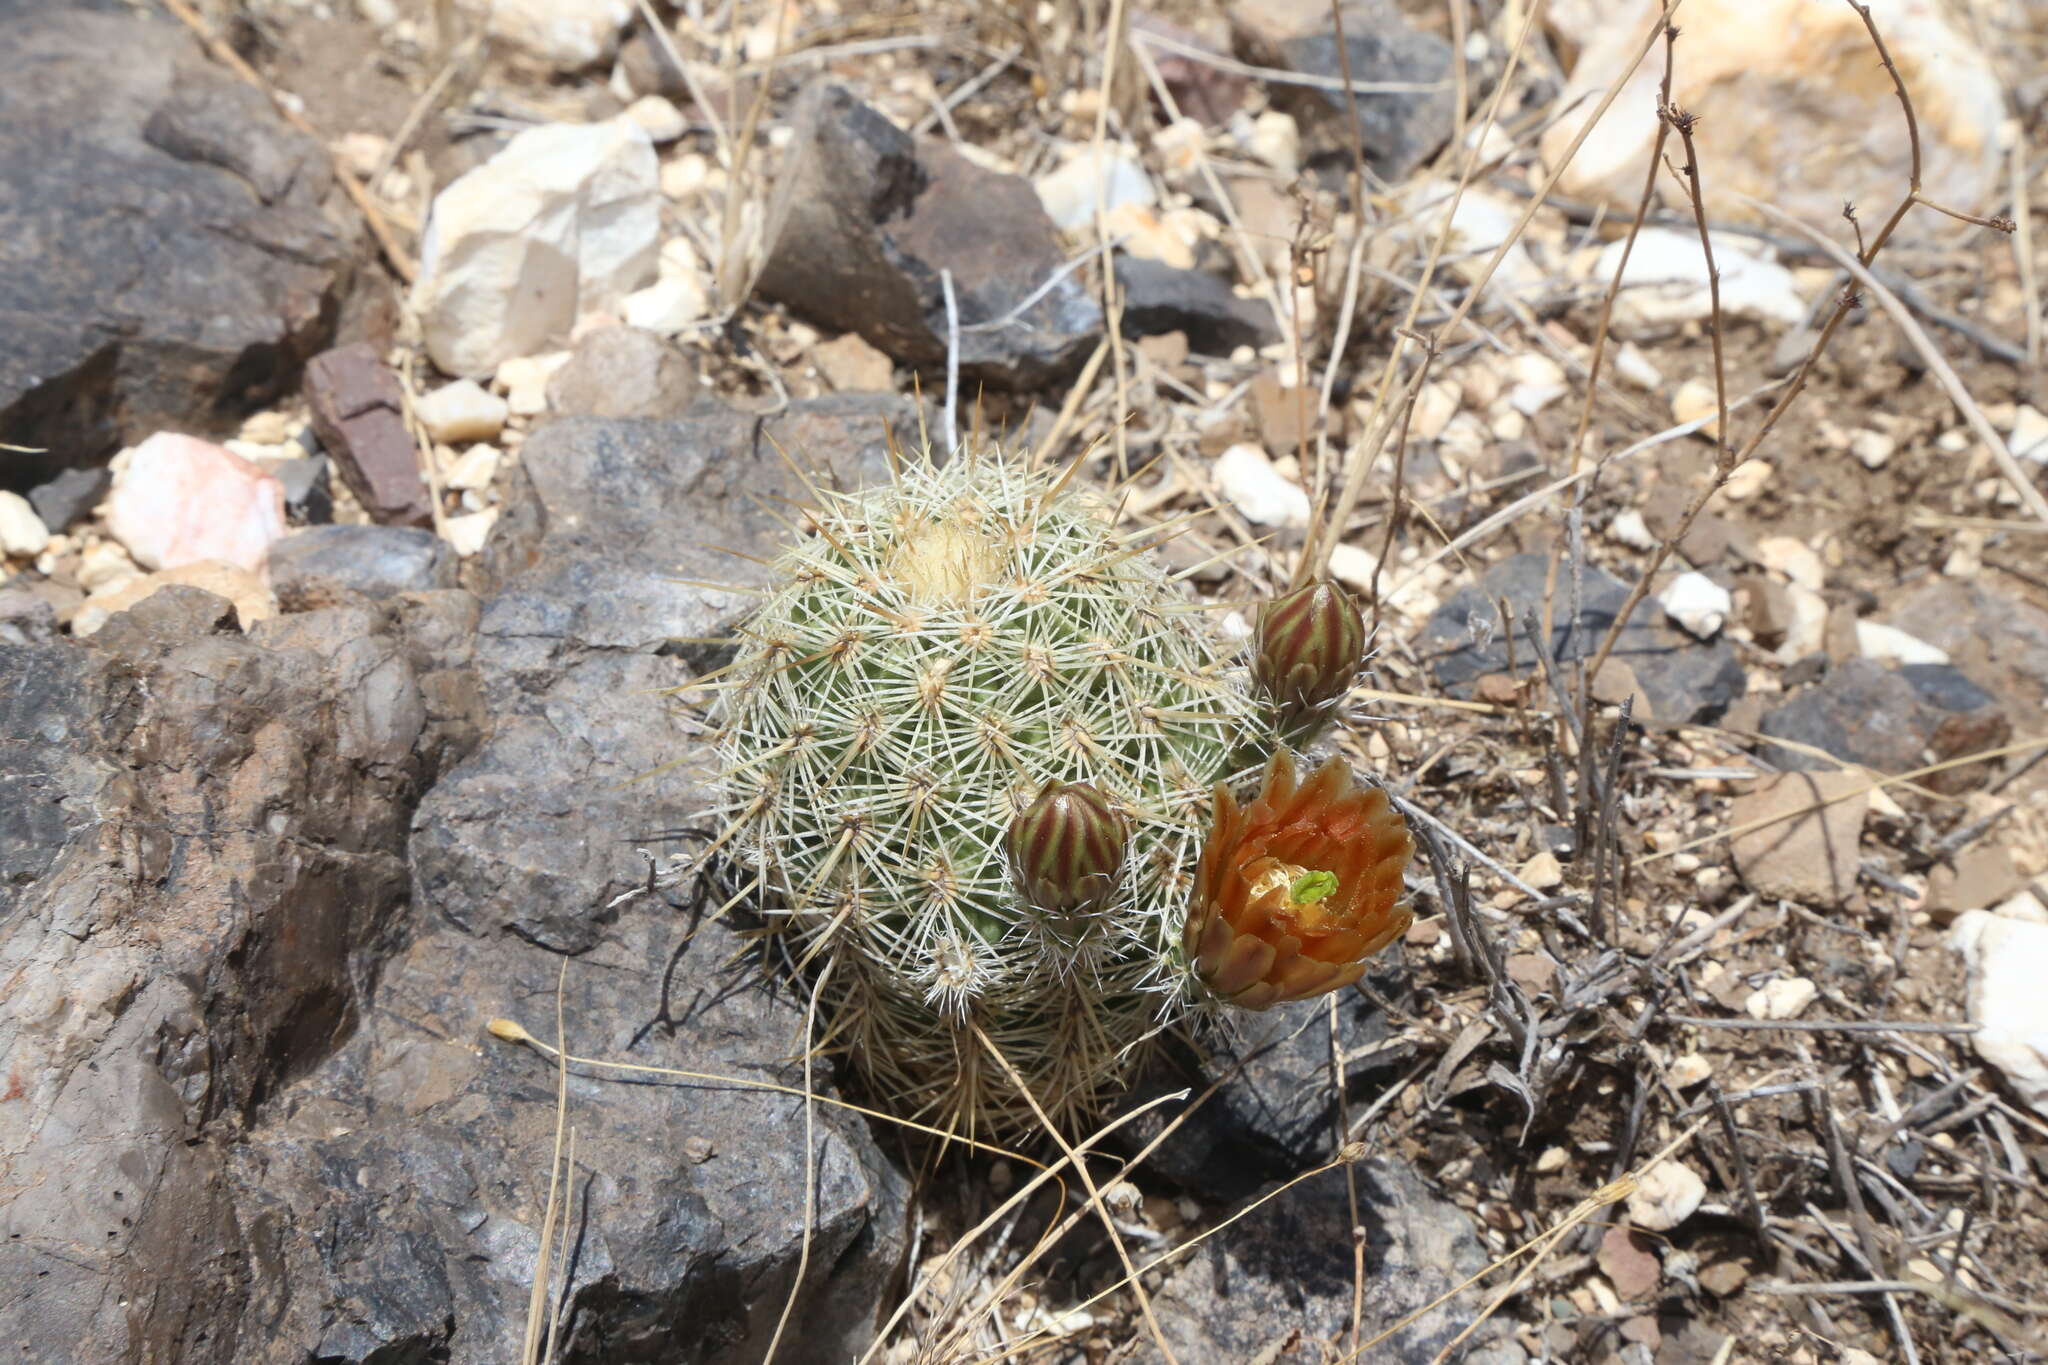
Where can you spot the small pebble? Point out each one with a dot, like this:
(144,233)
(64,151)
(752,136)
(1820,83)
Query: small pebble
(1631,364)
(1628,528)
(1698,604)
(525,381)
(668,305)
(1783,998)
(660,117)
(1543,871)
(1689,1070)
(1873,448)
(1668,1194)
(2029,439)
(468,533)
(1248,478)
(1747,480)
(1875,640)
(22,533)
(1276,140)
(474,468)
(462,412)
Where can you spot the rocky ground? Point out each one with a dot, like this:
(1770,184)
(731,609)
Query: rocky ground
(378,383)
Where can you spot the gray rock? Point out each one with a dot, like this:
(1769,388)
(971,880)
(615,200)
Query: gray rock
(535,844)
(25,618)
(1400,129)
(1684,679)
(1285,1272)
(866,220)
(623,372)
(394,1201)
(602,523)
(163,259)
(1159,298)
(2000,641)
(308,493)
(325,565)
(70,497)
(1892,720)
(201,866)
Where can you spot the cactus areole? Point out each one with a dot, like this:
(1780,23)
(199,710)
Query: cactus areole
(968,749)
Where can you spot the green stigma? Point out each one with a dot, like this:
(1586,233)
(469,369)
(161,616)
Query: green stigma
(1311,887)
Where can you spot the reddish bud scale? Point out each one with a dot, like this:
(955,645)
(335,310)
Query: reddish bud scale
(1309,645)
(1067,849)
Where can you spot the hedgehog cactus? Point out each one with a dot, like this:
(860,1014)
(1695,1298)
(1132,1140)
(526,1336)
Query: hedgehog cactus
(968,748)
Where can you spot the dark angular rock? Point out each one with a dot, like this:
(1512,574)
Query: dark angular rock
(394,1201)
(1399,129)
(604,520)
(70,497)
(623,372)
(163,259)
(201,866)
(1893,720)
(1159,298)
(1274,1119)
(359,415)
(326,565)
(866,220)
(1684,679)
(1284,1273)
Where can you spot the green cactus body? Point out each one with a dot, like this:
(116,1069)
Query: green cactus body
(928,660)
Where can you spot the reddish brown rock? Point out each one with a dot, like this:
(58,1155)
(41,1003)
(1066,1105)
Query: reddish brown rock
(359,415)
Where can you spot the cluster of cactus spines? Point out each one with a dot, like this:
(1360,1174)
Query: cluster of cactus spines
(968,749)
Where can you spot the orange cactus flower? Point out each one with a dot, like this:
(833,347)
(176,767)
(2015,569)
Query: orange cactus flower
(1296,890)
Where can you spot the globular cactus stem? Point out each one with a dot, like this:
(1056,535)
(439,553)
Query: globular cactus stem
(968,749)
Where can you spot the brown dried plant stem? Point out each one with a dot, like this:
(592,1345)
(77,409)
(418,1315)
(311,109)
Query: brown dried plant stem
(400,261)
(1628,247)
(1726,462)
(1363,457)
(1095,1200)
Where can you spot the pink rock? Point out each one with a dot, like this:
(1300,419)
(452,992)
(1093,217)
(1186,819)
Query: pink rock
(182,499)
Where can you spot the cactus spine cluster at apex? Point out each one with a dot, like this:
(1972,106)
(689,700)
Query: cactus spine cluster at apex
(969,651)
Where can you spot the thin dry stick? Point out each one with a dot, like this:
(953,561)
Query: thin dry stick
(732,295)
(1324,535)
(1797,384)
(537,1297)
(1983,755)
(2023,244)
(1685,122)
(1022,1193)
(1951,383)
(803,1260)
(395,255)
(1081,1169)
(561,1313)
(512,1031)
(1628,247)
(1112,305)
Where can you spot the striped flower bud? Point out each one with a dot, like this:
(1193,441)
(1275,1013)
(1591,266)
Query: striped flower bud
(1309,646)
(1297,889)
(1067,849)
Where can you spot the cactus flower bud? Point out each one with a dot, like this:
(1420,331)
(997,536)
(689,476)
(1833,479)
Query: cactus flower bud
(1067,849)
(1296,890)
(1309,645)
